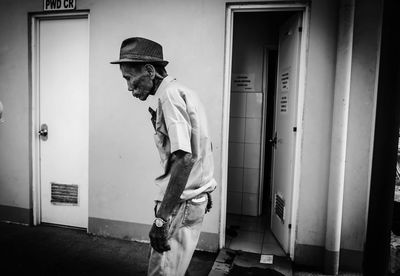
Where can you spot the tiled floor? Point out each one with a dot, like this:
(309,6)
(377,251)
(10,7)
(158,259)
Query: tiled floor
(251,234)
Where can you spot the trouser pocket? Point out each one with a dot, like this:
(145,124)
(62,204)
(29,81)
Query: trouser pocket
(195,210)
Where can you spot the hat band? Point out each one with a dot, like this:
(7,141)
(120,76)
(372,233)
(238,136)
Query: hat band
(140,57)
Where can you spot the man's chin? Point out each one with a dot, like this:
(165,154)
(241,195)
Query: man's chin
(141,97)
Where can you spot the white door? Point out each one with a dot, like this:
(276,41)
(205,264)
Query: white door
(63,57)
(285,129)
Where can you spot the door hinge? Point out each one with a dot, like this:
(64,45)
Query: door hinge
(300,29)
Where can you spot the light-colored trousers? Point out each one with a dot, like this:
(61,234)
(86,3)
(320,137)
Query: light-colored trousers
(183,235)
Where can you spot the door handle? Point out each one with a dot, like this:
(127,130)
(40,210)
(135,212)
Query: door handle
(274,140)
(43,132)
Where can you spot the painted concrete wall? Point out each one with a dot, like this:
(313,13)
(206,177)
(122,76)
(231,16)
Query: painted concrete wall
(317,118)
(361,123)
(310,236)
(123,158)
(14,94)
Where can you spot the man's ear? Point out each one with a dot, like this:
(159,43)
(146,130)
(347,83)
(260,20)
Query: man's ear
(150,70)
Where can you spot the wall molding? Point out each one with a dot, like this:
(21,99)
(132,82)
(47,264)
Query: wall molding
(16,214)
(313,256)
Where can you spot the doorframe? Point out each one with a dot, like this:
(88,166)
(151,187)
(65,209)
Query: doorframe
(265,84)
(34,19)
(231,9)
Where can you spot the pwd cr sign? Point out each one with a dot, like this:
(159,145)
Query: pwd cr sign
(58,5)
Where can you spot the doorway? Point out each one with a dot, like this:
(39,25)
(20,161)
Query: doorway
(265,59)
(60,118)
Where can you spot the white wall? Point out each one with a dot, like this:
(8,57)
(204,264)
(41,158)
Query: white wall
(317,130)
(317,124)
(361,124)
(123,158)
(14,94)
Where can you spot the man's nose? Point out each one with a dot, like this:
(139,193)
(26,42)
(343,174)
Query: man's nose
(135,93)
(130,87)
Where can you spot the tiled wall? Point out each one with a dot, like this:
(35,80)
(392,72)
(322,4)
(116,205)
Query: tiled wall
(246,110)
(244,152)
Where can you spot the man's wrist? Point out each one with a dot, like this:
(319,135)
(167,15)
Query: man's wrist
(162,214)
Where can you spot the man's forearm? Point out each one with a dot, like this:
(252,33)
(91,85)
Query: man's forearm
(180,172)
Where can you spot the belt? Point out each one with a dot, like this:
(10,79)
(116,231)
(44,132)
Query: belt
(208,207)
(209,202)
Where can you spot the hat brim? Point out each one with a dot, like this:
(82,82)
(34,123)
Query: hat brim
(128,60)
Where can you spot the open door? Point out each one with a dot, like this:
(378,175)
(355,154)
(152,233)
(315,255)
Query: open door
(285,129)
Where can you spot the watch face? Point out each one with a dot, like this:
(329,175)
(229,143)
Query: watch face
(158,222)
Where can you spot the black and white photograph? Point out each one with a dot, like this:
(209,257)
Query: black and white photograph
(200,137)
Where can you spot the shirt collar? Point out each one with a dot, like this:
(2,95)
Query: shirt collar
(163,85)
(153,101)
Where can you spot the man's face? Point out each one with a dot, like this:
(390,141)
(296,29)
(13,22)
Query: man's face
(138,80)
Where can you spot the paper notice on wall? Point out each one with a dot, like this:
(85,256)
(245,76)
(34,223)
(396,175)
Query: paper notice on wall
(267,259)
(243,82)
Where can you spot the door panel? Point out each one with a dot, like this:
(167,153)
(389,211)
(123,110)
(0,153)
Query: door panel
(285,118)
(64,103)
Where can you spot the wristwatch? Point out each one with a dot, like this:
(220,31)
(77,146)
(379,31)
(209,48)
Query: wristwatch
(159,222)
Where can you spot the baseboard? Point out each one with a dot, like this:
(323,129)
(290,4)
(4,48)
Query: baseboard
(309,255)
(351,260)
(140,232)
(313,256)
(16,214)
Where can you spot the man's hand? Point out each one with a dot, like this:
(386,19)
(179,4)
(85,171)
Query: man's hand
(158,238)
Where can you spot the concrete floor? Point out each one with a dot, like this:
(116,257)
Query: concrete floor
(239,263)
(49,250)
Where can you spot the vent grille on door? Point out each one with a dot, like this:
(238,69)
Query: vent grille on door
(280,207)
(64,194)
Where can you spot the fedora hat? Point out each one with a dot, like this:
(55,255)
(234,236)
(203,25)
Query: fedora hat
(140,50)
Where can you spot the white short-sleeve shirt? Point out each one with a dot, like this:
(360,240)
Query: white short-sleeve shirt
(181,124)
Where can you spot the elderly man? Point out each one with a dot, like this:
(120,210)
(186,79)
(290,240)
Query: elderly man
(182,139)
